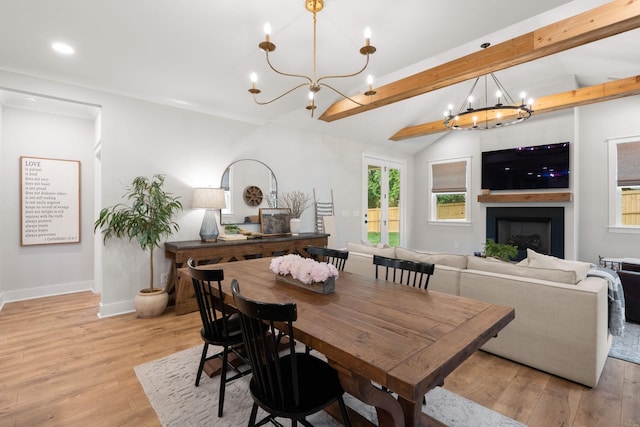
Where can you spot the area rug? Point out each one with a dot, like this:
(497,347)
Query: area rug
(169,385)
(627,346)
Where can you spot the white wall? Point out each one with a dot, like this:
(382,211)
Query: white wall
(598,123)
(37,270)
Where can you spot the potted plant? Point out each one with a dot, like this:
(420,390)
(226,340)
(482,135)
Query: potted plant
(297,202)
(502,251)
(148,219)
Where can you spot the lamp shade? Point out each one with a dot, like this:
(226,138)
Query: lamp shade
(208,198)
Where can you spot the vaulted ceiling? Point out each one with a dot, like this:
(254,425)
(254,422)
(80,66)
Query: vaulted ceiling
(198,54)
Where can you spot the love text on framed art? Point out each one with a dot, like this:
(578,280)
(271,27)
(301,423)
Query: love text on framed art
(49,201)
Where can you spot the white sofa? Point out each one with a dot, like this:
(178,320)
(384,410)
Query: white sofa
(561,323)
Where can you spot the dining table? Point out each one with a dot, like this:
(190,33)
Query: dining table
(380,336)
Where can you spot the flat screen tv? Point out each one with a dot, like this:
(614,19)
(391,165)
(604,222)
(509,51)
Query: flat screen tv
(522,168)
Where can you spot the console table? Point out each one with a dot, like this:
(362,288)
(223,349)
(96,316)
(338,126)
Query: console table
(226,251)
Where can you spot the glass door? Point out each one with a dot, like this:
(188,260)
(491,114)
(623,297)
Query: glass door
(383,205)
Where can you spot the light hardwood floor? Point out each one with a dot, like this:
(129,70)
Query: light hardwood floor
(62,366)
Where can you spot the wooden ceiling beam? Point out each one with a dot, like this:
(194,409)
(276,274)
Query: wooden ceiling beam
(547,104)
(607,20)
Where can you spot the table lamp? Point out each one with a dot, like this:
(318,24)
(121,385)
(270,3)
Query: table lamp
(210,199)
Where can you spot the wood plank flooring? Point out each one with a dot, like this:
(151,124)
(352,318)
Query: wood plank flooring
(60,365)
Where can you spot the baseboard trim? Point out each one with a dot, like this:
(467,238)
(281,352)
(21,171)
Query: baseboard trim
(116,309)
(44,291)
(105,310)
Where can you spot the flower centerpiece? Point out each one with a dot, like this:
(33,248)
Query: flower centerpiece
(305,272)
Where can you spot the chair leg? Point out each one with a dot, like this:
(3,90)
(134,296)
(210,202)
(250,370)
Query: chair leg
(223,380)
(202,359)
(254,414)
(345,414)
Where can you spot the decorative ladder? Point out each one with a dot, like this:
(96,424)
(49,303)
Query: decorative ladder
(322,209)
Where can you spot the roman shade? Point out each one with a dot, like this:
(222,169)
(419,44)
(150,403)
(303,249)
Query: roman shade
(449,177)
(628,164)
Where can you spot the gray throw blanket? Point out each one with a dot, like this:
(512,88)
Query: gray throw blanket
(616,298)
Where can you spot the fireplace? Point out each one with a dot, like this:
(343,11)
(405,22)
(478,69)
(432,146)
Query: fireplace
(538,228)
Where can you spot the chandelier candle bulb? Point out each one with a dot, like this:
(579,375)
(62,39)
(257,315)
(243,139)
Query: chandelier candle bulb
(370,91)
(367,36)
(254,79)
(311,105)
(267,32)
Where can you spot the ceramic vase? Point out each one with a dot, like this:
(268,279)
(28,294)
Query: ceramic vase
(151,304)
(294,225)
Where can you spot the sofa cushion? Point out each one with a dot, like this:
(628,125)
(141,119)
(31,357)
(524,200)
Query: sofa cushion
(493,265)
(545,261)
(372,250)
(451,260)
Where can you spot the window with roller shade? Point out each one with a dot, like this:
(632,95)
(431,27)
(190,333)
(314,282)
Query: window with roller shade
(624,164)
(449,184)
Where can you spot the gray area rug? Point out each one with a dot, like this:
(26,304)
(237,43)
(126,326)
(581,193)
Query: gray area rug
(627,346)
(169,385)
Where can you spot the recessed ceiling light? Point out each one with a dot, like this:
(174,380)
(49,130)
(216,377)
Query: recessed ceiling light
(62,48)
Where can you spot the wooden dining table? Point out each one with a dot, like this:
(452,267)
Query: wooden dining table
(380,334)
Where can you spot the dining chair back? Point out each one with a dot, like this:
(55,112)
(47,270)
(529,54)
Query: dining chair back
(328,255)
(220,327)
(412,273)
(284,383)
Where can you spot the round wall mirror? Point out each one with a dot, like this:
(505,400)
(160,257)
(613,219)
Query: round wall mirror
(249,185)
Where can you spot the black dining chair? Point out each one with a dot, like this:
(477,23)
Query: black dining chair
(284,383)
(412,273)
(220,326)
(328,255)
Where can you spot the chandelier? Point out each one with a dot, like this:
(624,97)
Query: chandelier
(504,112)
(312,82)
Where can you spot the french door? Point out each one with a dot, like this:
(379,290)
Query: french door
(383,203)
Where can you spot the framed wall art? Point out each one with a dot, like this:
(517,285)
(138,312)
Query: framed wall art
(49,201)
(274,221)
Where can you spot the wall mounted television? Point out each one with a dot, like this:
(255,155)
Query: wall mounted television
(523,168)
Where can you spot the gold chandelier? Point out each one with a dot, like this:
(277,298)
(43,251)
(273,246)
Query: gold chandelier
(504,112)
(313,83)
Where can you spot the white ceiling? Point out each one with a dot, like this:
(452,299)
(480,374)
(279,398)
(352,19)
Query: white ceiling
(198,54)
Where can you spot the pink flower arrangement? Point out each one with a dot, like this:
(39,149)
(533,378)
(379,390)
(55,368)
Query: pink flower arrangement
(306,270)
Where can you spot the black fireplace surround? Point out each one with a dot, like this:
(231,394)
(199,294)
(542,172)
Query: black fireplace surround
(546,229)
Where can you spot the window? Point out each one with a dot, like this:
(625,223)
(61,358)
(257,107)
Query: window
(449,195)
(624,179)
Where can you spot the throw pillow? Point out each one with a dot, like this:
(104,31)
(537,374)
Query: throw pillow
(451,260)
(493,265)
(538,260)
(372,250)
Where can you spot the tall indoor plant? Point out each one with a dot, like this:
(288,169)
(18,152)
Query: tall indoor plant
(148,218)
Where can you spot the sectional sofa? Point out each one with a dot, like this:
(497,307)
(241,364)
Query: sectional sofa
(561,324)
